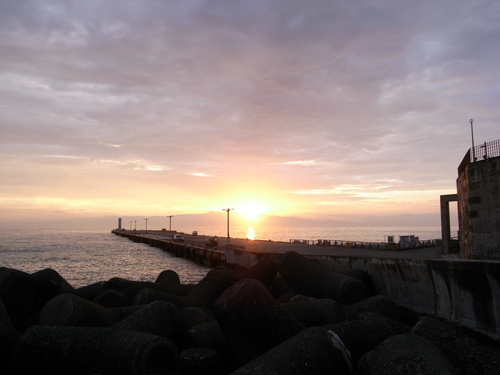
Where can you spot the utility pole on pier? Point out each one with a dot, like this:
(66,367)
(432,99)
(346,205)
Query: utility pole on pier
(472,135)
(227,210)
(170,224)
(146,225)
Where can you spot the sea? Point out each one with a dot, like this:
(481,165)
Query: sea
(85,256)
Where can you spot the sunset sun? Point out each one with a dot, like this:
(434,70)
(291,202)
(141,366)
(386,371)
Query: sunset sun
(250,211)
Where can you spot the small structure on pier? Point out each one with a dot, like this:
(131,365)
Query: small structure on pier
(478,197)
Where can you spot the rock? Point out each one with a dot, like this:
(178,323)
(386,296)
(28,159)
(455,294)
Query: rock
(308,277)
(379,304)
(185,319)
(279,287)
(316,312)
(71,310)
(362,276)
(50,284)
(409,355)
(168,277)
(84,350)
(363,365)
(111,298)
(465,353)
(252,320)
(313,351)
(363,335)
(208,335)
(264,271)
(202,295)
(89,292)
(200,361)
(157,318)
(18,292)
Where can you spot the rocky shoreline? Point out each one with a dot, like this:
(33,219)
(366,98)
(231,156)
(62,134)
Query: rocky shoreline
(291,317)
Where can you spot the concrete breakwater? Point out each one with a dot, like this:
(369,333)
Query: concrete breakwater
(294,316)
(465,292)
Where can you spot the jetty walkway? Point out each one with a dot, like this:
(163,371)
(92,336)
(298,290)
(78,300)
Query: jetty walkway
(280,248)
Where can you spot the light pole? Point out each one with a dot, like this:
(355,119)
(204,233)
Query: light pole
(170,224)
(472,134)
(146,225)
(135,223)
(227,210)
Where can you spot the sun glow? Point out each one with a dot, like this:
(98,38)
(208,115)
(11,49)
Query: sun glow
(250,211)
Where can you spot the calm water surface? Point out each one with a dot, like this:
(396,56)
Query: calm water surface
(85,256)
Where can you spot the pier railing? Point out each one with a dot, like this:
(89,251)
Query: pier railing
(485,151)
(363,244)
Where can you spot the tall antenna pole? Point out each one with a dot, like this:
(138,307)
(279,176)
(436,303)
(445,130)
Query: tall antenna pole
(170,224)
(227,210)
(472,134)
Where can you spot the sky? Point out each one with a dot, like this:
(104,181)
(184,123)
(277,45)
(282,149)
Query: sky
(347,111)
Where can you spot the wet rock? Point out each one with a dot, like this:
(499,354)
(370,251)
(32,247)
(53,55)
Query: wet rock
(409,355)
(316,312)
(84,350)
(252,320)
(363,335)
(313,351)
(308,277)
(379,304)
(467,354)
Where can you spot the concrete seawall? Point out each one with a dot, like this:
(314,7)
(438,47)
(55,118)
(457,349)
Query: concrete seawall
(465,292)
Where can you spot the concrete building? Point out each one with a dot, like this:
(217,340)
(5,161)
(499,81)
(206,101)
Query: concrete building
(478,198)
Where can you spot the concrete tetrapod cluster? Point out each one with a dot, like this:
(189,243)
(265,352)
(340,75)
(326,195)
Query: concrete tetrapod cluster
(294,317)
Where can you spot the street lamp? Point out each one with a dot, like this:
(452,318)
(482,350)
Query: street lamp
(135,224)
(227,210)
(146,225)
(472,134)
(170,224)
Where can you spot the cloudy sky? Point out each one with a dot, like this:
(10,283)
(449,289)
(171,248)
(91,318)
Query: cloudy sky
(318,109)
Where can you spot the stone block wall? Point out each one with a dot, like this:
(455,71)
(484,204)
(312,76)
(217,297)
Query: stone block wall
(478,191)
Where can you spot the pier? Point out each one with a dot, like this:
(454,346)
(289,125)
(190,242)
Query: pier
(465,292)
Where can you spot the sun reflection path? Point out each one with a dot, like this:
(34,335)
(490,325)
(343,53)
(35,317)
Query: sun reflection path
(250,233)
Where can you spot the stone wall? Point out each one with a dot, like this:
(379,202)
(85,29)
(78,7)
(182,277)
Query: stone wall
(478,191)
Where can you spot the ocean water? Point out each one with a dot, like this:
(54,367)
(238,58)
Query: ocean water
(86,256)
